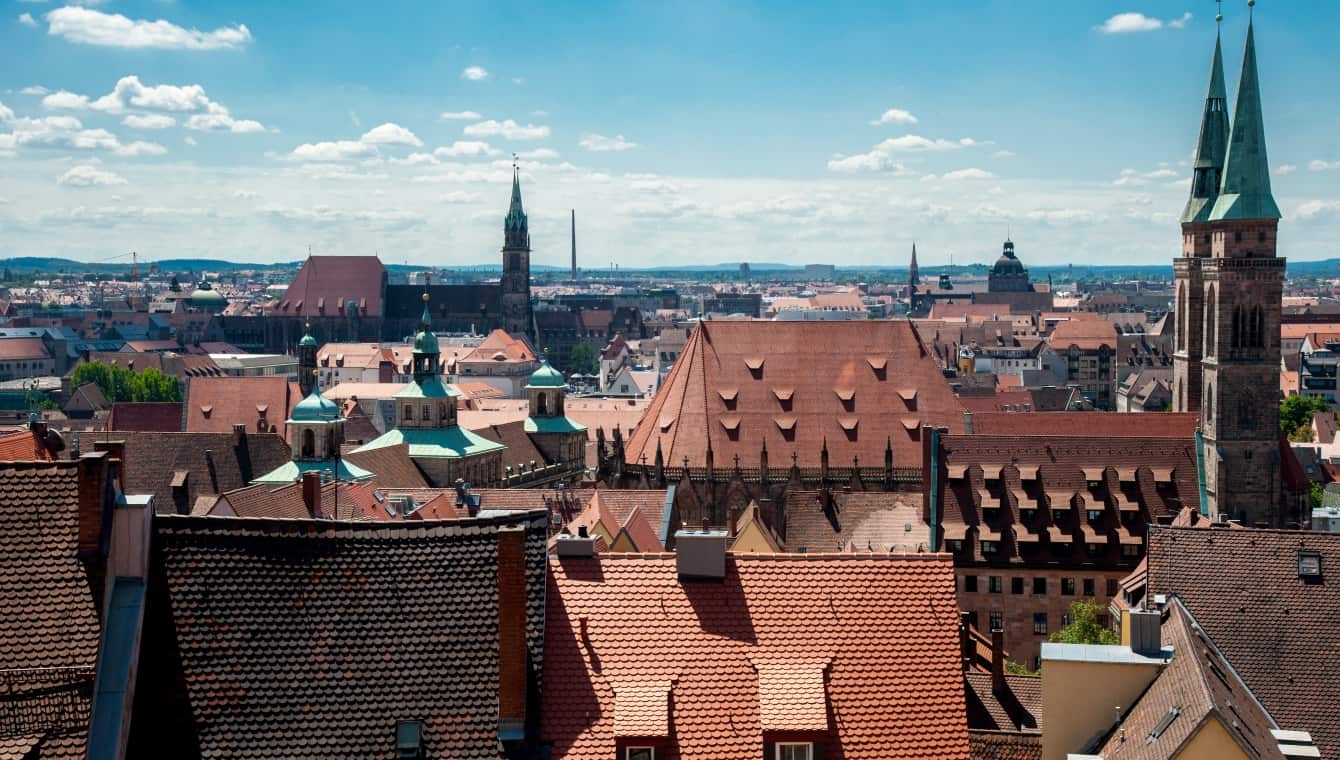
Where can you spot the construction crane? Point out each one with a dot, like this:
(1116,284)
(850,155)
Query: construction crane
(134,281)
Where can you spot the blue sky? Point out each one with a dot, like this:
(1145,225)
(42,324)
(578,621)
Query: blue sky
(680,132)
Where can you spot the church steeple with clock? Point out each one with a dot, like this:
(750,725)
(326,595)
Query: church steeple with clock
(516,264)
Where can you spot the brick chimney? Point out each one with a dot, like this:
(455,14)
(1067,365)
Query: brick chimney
(94,507)
(311,492)
(998,686)
(512,655)
(239,435)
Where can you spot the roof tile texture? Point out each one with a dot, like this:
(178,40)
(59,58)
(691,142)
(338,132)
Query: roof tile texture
(883,630)
(813,365)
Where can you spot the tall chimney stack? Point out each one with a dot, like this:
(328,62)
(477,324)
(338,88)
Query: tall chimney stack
(997,661)
(311,492)
(574,245)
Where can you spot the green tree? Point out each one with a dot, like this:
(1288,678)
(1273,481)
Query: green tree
(582,359)
(1296,414)
(1316,496)
(1084,627)
(120,384)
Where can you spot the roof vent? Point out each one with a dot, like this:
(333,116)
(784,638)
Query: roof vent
(582,545)
(1145,633)
(701,554)
(409,739)
(1295,744)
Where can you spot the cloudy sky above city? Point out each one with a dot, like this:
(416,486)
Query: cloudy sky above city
(688,133)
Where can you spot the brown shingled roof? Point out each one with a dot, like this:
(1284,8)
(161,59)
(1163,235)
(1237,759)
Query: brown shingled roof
(148,416)
(826,371)
(325,284)
(215,404)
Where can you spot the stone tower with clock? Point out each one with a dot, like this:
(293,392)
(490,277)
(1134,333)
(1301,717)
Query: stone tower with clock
(516,265)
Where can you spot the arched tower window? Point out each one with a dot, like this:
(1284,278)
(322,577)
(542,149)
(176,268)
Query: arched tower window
(407,414)
(541,403)
(1235,338)
(308,443)
(1184,313)
(1209,403)
(1258,327)
(330,442)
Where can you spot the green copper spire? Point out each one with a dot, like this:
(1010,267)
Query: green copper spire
(516,234)
(1245,193)
(1209,166)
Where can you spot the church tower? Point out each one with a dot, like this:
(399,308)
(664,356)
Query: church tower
(1243,281)
(913,273)
(516,264)
(1190,307)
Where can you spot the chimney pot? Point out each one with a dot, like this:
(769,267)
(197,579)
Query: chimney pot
(998,686)
(311,492)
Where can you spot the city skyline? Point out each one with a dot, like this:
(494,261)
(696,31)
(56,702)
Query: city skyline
(695,137)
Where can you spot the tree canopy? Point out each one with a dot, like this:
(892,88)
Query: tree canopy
(582,359)
(121,384)
(1296,415)
(1084,627)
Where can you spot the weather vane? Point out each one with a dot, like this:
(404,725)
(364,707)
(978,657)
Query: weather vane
(1219,11)
(514,164)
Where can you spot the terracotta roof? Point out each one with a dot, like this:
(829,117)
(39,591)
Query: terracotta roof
(1277,629)
(856,521)
(1004,745)
(593,413)
(1096,424)
(215,404)
(355,501)
(1086,334)
(24,446)
(1200,684)
(625,622)
(13,349)
(49,612)
(351,355)
(148,416)
(1152,477)
(1012,402)
(177,365)
(521,450)
(325,284)
(176,469)
(500,347)
(310,639)
(819,363)
(391,465)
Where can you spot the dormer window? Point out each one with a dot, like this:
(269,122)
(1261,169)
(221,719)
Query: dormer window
(640,753)
(409,739)
(795,751)
(1309,565)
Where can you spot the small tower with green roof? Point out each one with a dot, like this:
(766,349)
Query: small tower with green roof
(316,431)
(558,437)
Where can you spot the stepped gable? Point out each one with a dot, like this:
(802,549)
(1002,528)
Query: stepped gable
(1275,627)
(856,385)
(988,481)
(325,285)
(312,638)
(781,644)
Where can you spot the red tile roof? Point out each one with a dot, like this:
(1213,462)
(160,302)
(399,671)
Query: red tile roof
(12,349)
(790,384)
(354,501)
(24,446)
(1004,745)
(882,629)
(325,284)
(391,465)
(149,416)
(1095,424)
(1085,334)
(215,404)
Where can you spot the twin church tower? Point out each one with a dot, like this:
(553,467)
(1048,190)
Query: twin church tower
(1229,285)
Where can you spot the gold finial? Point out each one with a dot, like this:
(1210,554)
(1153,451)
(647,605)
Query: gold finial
(307,326)
(316,373)
(425,298)
(1219,11)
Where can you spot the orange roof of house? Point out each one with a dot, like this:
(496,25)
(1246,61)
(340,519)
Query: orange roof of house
(215,404)
(24,446)
(1096,425)
(326,284)
(1086,334)
(23,348)
(861,652)
(500,346)
(858,385)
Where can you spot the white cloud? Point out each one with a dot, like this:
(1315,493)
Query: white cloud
(149,121)
(602,144)
(475,73)
(35,89)
(919,144)
(508,129)
(140,148)
(130,93)
(27,19)
(217,119)
(1124,23)
(325,215)
(89,27)
(459,115)
(391,134)
(970,173)
(1003,154)
(1321,166)
(539,114)
(89,176)
(874,161)
(337,150)
(1318,209)
(415,159)
(188,140)
(459,196)
(6,114)
(466,148)
(69,133)
(894,116)
(1132,177)
(1286,169)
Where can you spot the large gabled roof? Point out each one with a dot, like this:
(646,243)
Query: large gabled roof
(325,285)
(858,385)
(1276,628)
(783,642)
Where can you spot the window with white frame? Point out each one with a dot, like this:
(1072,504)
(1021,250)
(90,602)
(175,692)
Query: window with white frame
(795,751)
(640,753)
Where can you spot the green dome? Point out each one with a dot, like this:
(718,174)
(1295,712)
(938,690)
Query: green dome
(547,377)
(205,296)
(315,408)
(307,340)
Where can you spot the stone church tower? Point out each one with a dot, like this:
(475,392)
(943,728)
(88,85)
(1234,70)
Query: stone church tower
(516,265)
(1241,284)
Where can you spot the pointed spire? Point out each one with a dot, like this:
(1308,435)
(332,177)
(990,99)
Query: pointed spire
(516,234)
(913,273)
(425,321)
(1214,131)
(1245,192)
